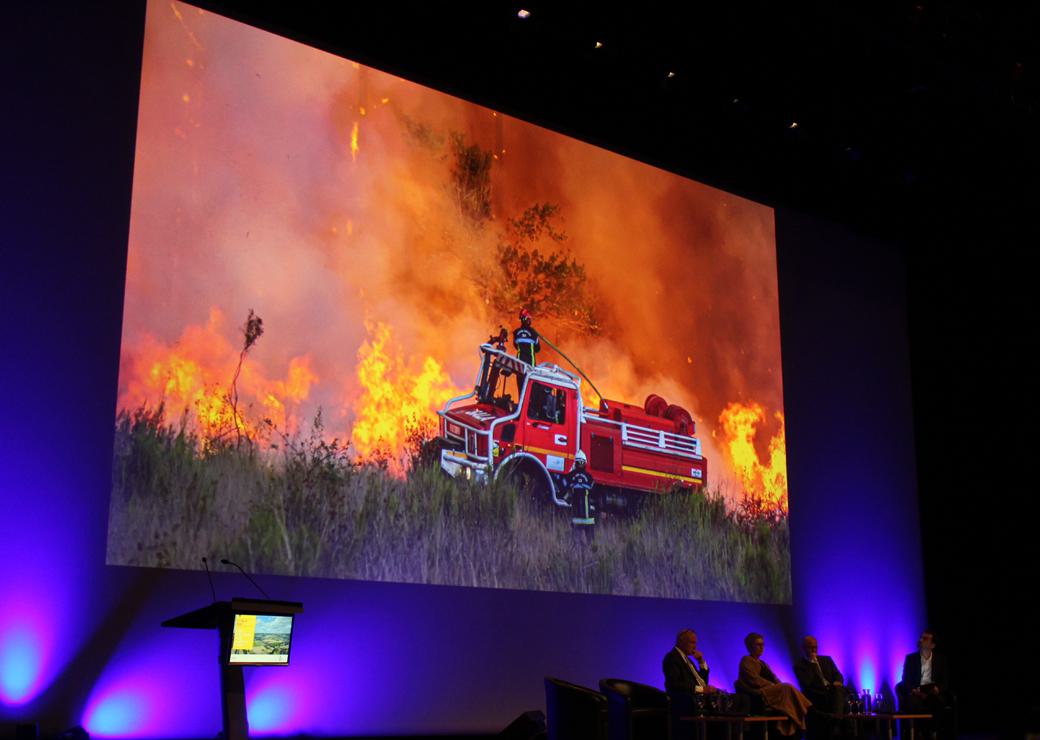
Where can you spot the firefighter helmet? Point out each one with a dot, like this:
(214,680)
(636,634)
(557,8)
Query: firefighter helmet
(525,316)
(579,458)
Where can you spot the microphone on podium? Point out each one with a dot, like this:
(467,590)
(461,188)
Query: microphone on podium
(205,564)
(225,561)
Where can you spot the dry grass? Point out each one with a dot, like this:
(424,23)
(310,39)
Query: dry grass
(305,508)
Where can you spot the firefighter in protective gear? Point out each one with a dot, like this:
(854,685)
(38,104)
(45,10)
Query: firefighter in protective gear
(579,482)
(525,339)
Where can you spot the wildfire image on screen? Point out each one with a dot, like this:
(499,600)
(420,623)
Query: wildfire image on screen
(260,638)
(373,331)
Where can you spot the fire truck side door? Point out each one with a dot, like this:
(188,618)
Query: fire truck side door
(549,422)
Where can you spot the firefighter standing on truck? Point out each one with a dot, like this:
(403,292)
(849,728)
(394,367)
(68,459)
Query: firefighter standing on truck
(525,339)
(579,482)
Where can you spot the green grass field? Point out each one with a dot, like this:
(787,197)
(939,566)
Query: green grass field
(303,507)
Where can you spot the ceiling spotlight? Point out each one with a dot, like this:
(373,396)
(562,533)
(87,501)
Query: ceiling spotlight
(671,75)
(599,44)
(794,124)
(523,13)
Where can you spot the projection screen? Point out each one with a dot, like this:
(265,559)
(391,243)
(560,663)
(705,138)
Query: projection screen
(324,371)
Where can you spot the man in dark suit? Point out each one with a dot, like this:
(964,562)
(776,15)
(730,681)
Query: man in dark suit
(686,681)
(822,682)
(925,687)
(819,679)
(685,670)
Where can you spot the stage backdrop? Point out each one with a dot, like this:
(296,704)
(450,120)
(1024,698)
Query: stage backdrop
(80,641)
(317,250)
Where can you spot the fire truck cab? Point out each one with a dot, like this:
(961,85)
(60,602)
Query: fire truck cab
(486,433)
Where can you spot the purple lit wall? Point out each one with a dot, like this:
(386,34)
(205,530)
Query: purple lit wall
(80,642)
(858,583)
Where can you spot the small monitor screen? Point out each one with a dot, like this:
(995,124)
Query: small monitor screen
(261,639)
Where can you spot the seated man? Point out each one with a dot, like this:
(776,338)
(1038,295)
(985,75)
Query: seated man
(925,688)
(686,683)
(822,683)
(682,675)
(819,679)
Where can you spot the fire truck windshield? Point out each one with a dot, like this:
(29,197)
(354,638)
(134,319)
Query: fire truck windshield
(492,388)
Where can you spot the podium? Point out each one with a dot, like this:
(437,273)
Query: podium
(220,615)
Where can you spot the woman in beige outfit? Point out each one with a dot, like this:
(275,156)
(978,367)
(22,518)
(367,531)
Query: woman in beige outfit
(783,698)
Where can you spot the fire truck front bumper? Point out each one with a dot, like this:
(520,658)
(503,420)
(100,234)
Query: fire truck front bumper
(459,465)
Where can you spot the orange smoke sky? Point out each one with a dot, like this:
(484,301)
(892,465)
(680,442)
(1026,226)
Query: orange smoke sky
(317,192)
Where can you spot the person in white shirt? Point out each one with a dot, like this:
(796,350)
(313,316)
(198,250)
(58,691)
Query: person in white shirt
(925,687)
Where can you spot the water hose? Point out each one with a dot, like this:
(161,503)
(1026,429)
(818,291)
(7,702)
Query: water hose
(575,365)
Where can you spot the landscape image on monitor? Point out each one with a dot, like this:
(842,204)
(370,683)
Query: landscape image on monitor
(373,331)
(260,638)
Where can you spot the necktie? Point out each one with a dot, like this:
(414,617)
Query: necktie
(696,675)
(819,669)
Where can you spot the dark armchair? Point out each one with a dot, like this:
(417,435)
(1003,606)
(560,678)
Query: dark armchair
(636,711)
(574,712)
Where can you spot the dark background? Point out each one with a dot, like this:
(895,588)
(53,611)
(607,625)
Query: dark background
(916,129)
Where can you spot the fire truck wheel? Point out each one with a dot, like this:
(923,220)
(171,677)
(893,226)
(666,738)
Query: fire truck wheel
(529,480)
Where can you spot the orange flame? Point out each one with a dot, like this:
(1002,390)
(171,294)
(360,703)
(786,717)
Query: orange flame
(284,395)
(193,375)
(398,396)
(764,481)
(354,148)
(589,397)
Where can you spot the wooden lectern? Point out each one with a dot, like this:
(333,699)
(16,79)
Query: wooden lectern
(220,615)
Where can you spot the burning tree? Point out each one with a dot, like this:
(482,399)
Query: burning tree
(531,265)
(536,270)
(252,330)
(471,175)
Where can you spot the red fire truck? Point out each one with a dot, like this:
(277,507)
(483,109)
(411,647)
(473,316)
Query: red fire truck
(632,451)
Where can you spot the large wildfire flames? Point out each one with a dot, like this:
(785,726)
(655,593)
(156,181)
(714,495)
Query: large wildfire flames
(394,407)
(193,376)
(396,403)
(331,199)
(764,482)
(398,397)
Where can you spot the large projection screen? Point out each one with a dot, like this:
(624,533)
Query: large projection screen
(318,251)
